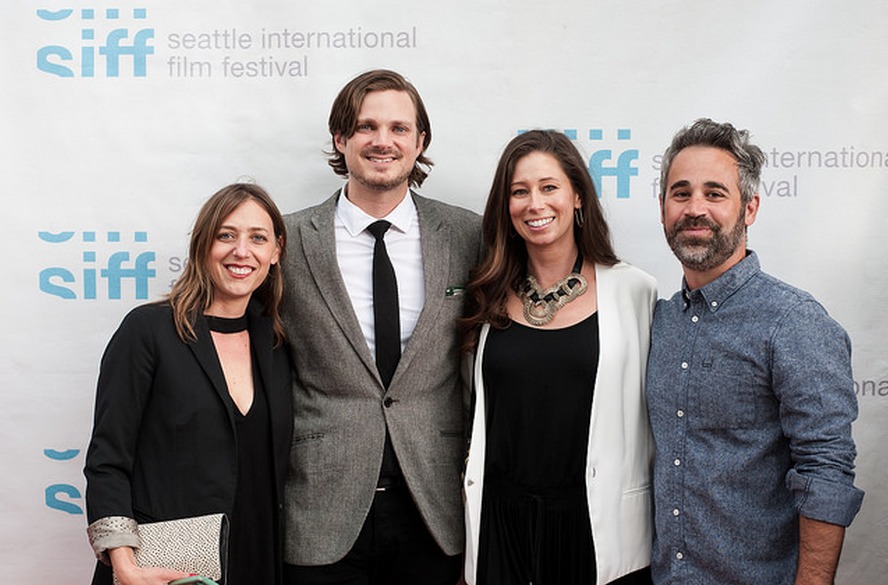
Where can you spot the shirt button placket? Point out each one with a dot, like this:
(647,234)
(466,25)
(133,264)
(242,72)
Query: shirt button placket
(677,462)
(681,425)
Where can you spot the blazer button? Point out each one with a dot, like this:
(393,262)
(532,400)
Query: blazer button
(388,401)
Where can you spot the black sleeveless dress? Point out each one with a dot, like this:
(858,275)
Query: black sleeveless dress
(535,524)
(253,536)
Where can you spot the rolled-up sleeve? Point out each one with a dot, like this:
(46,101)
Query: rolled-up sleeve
(811,356)
(112,532)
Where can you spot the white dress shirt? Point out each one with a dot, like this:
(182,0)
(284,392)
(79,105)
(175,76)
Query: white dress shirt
(354,253)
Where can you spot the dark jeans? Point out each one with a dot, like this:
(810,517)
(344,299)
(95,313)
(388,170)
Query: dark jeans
(393,548)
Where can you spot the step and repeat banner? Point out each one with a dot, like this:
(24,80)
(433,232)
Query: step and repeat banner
(119,117)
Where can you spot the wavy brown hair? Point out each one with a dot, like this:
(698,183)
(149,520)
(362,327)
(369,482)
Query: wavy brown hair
(192,293)
(344,117)
(504,265)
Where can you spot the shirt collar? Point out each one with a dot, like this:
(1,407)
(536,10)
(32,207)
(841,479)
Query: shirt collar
(356,220)
(716,292)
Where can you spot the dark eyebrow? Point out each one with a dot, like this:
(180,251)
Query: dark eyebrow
(716,185)
(679,184)
(709,184)
(360,121)
(540,180)
(257,228)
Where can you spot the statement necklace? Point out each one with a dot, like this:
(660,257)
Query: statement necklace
(540,305)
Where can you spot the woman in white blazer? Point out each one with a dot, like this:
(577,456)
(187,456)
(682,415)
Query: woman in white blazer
(557,482)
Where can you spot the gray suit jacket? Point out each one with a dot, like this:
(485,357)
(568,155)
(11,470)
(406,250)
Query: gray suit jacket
(339,406)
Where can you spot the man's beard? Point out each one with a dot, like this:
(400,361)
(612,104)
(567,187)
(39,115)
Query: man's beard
(702,254)
(377,183)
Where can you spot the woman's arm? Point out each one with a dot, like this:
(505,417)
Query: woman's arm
(122,393)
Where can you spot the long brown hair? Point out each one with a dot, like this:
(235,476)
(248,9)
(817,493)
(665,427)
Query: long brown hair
(192,293)
(504,265)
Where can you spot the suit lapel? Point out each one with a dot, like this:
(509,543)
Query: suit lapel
(435,242)
(319,245)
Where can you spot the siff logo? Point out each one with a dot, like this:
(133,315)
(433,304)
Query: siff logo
(61,61)
(602,163)
(65,284)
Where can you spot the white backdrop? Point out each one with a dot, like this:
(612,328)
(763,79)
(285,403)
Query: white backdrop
(118,119)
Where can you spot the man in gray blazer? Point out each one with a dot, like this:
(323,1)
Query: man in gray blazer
(373,491)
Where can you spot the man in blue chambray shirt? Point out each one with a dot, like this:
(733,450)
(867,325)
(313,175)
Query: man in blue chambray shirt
(749,389)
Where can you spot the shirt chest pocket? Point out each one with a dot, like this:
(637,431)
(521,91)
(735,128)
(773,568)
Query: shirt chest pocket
(729,393)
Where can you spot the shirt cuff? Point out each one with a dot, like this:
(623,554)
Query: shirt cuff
(112,532)
(824,500)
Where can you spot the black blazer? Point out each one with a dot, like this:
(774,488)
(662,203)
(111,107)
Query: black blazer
(163,442)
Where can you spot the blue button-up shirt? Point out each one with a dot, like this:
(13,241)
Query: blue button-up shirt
(751,401)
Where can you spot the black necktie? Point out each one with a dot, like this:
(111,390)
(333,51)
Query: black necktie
(385,306)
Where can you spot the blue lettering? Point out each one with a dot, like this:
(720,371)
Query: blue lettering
(139,50)
(89,274)
(141,273)
(623,170)
(44,64)
(54,15)
(54,59)
(89,283)
(53,501)
(60,282)
(87,54)
(55,238)
(61,455)
(47,286)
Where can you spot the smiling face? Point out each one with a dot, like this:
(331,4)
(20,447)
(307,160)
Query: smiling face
(384,147)
(244,249)
(542,201)
(703,213)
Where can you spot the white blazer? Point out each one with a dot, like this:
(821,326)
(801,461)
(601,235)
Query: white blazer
(618,460)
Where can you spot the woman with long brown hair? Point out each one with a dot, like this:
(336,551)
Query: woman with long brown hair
(193,407)
(558,475)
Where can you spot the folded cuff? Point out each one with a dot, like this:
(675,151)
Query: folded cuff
(112,532)
(824,500)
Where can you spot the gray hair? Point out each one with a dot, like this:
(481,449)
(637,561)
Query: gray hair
(705,132)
